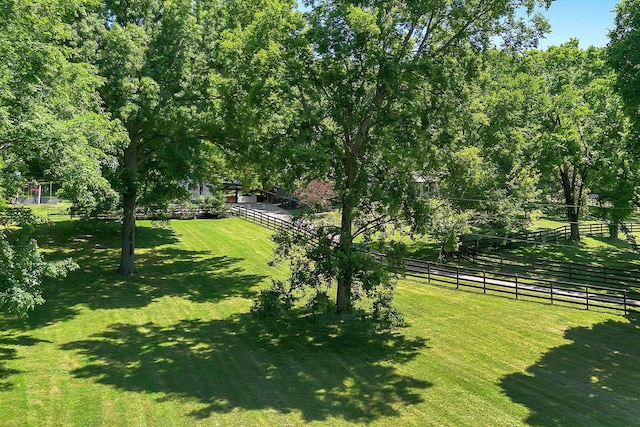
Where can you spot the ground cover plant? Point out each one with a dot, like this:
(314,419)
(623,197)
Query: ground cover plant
(176,345)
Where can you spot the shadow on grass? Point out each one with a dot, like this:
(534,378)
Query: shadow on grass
(590,250)
(9,344)
(591,381)
(165,270)
(318,369)
(100,235)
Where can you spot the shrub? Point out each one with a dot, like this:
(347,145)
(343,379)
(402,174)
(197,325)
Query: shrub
(272,302)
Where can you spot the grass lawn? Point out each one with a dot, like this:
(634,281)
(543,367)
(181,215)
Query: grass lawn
(51,212)
(175,345)
(550,223)
(598,250)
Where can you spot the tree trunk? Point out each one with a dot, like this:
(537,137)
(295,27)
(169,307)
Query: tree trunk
(573,210)
(353,149)
(614,229)
(127,254)
(575,226)
(345,274)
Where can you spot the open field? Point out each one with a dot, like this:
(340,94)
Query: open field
(175,345)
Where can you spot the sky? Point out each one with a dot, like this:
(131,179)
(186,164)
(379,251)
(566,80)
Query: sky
(587,20)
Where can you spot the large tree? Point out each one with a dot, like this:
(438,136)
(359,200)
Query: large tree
(374,83)
(147,53)
(179,76)
(580,124)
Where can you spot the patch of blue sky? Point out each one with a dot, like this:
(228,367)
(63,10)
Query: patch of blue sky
(587,20)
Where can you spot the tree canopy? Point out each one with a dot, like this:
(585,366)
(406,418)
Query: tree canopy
(624,55)
(52,126)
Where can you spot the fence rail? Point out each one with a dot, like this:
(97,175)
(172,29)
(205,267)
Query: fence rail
(270,221)
(573,272)
(497,282)
(479,243)
(554,291)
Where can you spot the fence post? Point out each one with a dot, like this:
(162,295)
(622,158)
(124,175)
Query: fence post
(429,273)
(586,288)
(457,276)
(484,282)
(551,293)
(516,286)
(625,301)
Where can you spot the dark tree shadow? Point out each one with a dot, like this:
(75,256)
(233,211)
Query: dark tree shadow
(100,235)
(594,380)
(164,271)
(321,370)
(9,344)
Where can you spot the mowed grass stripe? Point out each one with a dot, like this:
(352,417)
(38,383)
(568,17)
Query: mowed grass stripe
(175,345)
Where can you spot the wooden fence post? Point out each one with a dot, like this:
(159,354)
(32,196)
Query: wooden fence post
(551,293)
(484,282)
(429,273)
(516,286)
(457,276)
(586,288)
(625,301)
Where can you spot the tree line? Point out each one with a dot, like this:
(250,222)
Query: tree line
(122,102)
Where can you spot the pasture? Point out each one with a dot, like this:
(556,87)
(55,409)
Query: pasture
(176,345)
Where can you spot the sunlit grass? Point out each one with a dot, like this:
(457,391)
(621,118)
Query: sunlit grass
(51,211)
(590,250)
(175,345)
